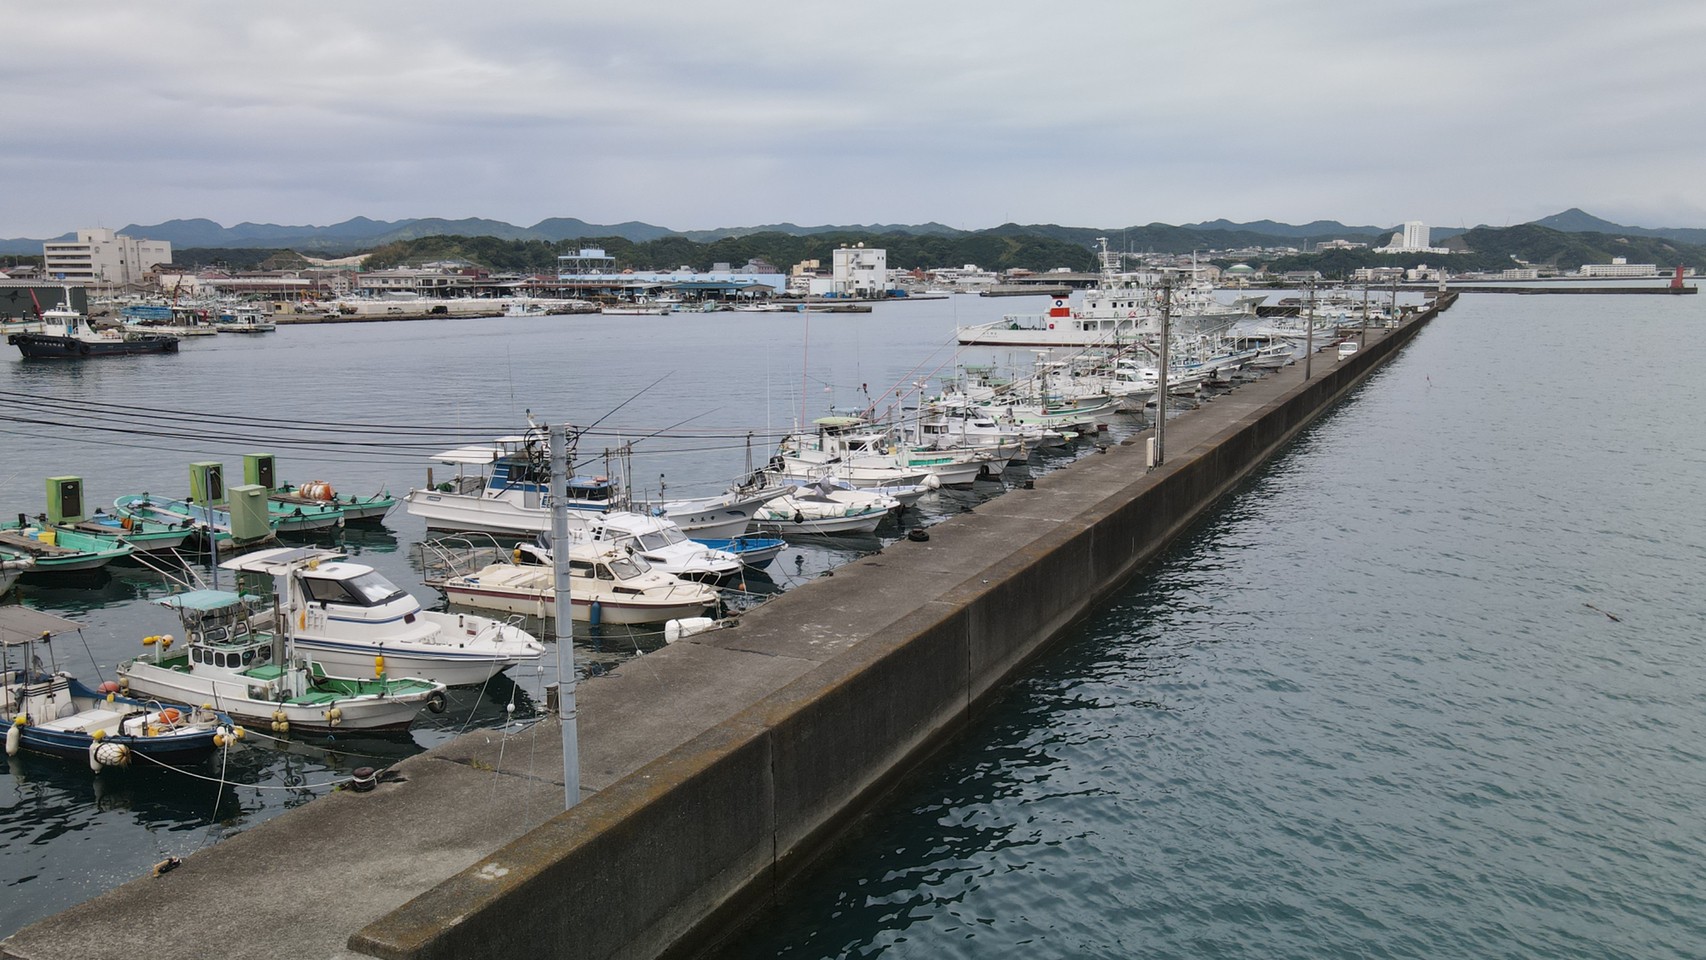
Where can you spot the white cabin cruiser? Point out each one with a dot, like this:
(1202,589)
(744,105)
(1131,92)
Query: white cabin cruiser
(606,585)
(824,508)
(657,540)
(348,614)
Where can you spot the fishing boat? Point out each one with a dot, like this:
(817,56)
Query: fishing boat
(504,488)
(13,566)
(346,614)
(825,508)
(243,320)
(64,517)
(753,550)
(657,540)
(606,585)
(57,551)
(65,334)
(354,508)
(282,517)
(51,712)
(243,662)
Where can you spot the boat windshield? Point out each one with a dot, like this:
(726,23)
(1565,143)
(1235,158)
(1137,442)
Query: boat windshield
(369,589)
(627,568)
(658,539)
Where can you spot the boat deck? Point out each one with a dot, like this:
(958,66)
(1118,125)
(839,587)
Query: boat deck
(34,547)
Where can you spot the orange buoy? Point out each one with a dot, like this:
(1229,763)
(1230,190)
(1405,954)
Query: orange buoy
(169,715)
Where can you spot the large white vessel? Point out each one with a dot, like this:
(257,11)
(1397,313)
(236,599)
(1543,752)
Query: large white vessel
(507,492)
(348,614)
(1120,309)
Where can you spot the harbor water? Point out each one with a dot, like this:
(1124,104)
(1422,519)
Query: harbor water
(1376,705)
(1430,685)
(364,407)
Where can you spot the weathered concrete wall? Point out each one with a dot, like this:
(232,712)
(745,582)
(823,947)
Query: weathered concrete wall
(666,857)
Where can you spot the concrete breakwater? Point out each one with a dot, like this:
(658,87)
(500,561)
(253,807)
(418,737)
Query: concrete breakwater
(715,768)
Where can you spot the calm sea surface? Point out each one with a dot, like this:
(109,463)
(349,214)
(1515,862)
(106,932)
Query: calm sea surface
(364,406)
(1371,707)
(1363,710)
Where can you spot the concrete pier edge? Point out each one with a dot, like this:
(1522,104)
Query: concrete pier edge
(814,755)
(716,769)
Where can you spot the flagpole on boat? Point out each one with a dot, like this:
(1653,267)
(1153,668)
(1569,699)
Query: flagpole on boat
(564,613)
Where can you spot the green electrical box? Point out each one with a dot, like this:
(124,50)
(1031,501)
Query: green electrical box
(249,520)
(207,484)
(261,469)
(64,500)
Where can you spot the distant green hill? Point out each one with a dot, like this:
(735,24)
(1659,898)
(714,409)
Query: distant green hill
(1575,220)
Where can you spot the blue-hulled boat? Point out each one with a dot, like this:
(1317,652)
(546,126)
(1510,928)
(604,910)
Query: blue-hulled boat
(50,712)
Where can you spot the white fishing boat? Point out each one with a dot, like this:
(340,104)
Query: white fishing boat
(243,319)
(13,566)
(658,541)
(606,585)
(824,508)
(348,614)
(242,661)
(504,488)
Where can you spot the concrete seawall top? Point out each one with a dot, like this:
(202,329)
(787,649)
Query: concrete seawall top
(394,869)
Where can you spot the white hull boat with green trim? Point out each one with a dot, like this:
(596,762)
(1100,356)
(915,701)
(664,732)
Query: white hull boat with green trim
(345,615)
(229,661)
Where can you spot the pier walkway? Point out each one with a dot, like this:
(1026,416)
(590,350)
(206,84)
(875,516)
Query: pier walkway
(716,768)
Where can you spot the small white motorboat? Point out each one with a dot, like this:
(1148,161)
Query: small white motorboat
(606,585)
(825,508)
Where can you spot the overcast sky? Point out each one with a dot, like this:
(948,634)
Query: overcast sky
(696,115)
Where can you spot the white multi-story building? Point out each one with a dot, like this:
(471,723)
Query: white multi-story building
(860,271)
(102,256)
(1619,267)
(1412,239)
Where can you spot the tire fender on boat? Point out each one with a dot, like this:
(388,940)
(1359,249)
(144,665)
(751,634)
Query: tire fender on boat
(83,349)
(435,701)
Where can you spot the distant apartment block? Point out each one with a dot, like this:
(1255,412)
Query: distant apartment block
(860,270)
(1412,239)
(1619,267)
(104,257)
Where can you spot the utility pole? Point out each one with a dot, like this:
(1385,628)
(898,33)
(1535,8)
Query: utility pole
(1161,393)
(564,613)
(1308,327)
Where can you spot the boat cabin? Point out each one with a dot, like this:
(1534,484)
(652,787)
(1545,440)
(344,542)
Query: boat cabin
(518,470)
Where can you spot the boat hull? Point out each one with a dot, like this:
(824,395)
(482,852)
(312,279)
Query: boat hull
(373,713)
(45,346)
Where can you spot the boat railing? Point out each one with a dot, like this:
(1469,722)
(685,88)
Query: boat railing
(443,558)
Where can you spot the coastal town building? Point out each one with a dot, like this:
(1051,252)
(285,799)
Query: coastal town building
(1413,238)
(1619,267)
(859,271)
(100,256)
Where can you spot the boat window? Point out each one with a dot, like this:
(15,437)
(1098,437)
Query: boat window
(602,572)
(582,567)
(195,654)
(373,589)
(628,568)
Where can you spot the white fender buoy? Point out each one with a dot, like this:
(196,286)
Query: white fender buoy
(14,739)
(94,756)
(674,630)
